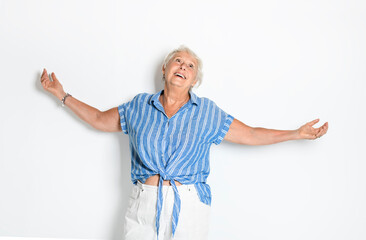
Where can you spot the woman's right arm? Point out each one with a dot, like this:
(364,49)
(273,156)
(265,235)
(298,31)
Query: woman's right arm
(107,121)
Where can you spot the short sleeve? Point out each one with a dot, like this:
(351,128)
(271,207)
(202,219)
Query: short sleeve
(122,117)
(125,110)
(224,121)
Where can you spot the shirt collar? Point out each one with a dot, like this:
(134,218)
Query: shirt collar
(155,98)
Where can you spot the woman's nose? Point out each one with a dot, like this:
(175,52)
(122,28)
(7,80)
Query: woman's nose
(183,66)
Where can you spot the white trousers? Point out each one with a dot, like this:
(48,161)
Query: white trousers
(140,218)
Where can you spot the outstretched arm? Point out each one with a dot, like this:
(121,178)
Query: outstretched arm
(107,121)
(244,134)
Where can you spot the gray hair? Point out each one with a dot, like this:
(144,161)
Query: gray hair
(183,48)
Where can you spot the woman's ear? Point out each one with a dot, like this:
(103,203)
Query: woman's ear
(163,69)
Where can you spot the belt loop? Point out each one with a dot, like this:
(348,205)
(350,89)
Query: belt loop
(139,184)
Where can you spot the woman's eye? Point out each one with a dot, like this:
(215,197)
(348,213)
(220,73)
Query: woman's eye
(178,60)
(190,65)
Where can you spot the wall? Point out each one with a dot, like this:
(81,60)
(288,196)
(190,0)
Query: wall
(272,64)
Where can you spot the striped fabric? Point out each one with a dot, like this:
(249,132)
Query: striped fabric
(176,148)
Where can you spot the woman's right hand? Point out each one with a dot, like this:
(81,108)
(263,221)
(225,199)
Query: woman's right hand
(54,86)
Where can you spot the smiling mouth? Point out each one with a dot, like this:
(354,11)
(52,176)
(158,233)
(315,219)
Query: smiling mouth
(179,75)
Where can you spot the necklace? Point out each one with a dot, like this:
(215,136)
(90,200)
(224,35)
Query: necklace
(176,109)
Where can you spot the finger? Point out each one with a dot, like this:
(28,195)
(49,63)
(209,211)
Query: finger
(320,128)
(325,130)
(45,84)
(44,72)
(324,125)
(317,134)
(44,75)
(54,78)
(313,122)
(322,132)
(44,80)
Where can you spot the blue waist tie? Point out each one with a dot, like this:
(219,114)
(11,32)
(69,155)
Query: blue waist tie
(176,207)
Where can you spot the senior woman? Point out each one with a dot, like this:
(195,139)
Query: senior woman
(170,134)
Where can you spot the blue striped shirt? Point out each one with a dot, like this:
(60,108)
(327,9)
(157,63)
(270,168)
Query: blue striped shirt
(176,148)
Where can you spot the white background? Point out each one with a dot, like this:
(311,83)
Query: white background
(272,64)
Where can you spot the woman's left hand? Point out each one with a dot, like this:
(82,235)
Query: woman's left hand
(308,132)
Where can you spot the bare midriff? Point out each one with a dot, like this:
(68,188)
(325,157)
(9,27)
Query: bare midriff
(154,180)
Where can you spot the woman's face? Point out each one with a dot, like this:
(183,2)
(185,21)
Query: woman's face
(181,71)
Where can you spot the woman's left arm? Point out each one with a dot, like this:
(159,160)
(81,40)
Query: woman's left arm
(244,134)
